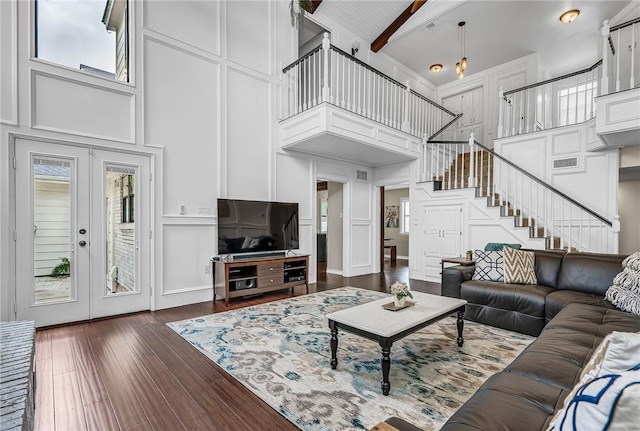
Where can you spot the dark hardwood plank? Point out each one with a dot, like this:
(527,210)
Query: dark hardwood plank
(43,343)
(61,352)
(100,416)
(69,412)
(125,404)
(143,426)
(89,381)
(44,417)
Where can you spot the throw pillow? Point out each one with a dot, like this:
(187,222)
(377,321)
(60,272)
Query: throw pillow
(489,266)
(499,246)
(625,291)
(519,266)
(618,352)
(607,402)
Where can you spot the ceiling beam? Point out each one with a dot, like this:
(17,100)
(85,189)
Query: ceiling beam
(382,40)
(314,5)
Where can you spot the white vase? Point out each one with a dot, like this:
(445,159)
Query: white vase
(399,302)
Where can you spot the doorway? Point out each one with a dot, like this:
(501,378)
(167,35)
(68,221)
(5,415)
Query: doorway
(82,232)
(329,227)
(395,226)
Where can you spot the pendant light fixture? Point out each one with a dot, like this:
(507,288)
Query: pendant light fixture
(461,65)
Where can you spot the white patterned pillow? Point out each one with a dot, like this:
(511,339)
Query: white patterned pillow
(607,402)
(519,266)
(489,266)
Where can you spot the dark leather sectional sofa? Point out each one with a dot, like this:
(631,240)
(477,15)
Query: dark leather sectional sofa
(567,312)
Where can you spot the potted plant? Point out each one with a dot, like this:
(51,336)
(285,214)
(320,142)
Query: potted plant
(400,292)
(297,8)
(469,255)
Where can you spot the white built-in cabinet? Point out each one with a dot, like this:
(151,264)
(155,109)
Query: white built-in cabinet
(469,104)
(441,236)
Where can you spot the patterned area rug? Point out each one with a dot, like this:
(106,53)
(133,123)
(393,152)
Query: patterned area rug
(280,351)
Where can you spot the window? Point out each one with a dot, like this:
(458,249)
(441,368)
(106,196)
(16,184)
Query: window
(324,207)
(128,207)
(404,216)
(90,35)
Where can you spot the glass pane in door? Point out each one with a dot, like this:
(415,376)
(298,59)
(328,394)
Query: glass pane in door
(51,185)
(120,225)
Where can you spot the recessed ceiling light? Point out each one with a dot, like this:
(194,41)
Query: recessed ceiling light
(569,16)
(435,68)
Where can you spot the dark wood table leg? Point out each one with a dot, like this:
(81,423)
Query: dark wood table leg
(334,344)
(386,365)
(460,324)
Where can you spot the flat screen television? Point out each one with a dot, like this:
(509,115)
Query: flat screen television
(256,226)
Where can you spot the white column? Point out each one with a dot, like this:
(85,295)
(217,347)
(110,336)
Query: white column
(326,48)
(500,112)
(604,82)
(472,160)
(615,228)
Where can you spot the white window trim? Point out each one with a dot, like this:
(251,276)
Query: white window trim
(403,229)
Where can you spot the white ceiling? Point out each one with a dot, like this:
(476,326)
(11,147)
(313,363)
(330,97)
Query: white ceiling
(497,31)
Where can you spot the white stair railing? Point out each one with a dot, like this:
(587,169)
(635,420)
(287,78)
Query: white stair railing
(328,74)
(620,56)
(561,101)
(533,203)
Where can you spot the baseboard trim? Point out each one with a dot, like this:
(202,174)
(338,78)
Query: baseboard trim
(334,271)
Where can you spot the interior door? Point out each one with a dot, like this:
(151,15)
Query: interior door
(79,214)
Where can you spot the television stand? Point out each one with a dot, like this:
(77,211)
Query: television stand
(239,278)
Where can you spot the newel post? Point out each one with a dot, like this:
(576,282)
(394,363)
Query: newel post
(424,170)
(615,228)
(472,161)
(604,82)
(500,112)
(405,115)
(326,48)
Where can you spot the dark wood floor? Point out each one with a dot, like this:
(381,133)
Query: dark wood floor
(134,373)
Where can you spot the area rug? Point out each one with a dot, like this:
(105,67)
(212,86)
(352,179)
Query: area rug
(280,351)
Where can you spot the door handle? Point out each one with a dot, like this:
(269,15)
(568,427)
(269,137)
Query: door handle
(82,243)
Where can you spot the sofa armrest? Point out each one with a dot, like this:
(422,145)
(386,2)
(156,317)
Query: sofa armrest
(453,277)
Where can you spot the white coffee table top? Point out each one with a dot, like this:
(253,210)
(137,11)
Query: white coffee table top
(371,317)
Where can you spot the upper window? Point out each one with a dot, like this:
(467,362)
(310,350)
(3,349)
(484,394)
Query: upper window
(404,216)
(90,35)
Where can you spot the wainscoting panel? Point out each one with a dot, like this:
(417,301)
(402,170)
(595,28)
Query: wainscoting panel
(8,64)
(248,131)
(180,115)
(248,30)
(70,106)
(293,182)
(196,23)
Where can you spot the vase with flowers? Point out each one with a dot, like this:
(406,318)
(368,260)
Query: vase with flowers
(400,291)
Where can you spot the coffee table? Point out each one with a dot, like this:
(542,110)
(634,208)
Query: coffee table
(373,322)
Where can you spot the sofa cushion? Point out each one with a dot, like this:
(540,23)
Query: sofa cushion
(489,266)
(499,246)
(517,307)
(589,272)
(548,267)
(557,300)
(625,291)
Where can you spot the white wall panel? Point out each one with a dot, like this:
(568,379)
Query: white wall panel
(362,248)
(77,107)
(590,186)
(294,181)
(248,147)
(186,250)
(361,200)
(563,143)
(8,65)
(181,116)
(196,23)
(248,36)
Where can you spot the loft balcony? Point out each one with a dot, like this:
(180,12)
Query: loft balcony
(339,107)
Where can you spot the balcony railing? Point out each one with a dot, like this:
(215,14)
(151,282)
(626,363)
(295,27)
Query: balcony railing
(620,56)
(561,101)
(329,75)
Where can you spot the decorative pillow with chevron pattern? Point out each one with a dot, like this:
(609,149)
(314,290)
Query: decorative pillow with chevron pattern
(519,266)
(489,266)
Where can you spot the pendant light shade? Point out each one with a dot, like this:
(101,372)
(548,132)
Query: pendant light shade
(461,65)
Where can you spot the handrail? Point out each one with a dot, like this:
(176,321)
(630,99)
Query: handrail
(303,58)
(533,177)
(549,81)
(366,66)
(444,127)
(624,24)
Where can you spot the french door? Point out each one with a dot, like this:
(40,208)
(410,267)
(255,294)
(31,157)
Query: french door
(82,233)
